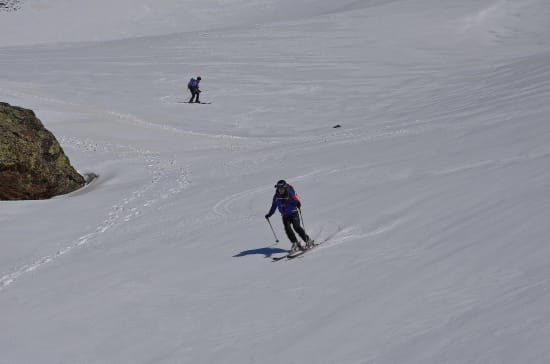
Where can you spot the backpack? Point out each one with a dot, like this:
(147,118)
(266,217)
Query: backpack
(296,200)
(291,189)
(192,83)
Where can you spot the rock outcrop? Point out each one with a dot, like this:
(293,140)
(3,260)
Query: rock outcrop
(9,5)
(32,164)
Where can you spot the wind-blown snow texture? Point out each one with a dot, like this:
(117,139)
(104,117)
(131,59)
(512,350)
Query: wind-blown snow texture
(435,190)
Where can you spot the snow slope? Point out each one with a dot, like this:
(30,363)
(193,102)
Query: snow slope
(100,20)
(433,194)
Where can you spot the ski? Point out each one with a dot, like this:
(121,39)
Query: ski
(290,255)
(302,252)
(295,254)
(276,259)
(187,102)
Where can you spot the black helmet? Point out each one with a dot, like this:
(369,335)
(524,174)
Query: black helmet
(281,183)
(199,78)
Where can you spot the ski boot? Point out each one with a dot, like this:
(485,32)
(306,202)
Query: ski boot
(296,247)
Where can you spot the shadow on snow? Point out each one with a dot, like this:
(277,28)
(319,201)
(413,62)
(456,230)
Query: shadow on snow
(267,252)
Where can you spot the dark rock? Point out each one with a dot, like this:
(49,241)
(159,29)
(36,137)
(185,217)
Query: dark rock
(32,163)
(10,5)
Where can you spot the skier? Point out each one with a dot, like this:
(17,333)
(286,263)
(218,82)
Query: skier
(193,86)
(286,200)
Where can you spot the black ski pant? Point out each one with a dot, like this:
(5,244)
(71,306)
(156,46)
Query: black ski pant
(194,93)
(291,221)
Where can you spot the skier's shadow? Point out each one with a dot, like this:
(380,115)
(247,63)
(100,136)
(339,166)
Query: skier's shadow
(267,252)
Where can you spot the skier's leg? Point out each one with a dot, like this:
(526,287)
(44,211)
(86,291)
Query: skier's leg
(197,93)
(287,220)
(192,96)
(295,218)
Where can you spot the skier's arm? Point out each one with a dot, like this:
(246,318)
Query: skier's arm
(272,209)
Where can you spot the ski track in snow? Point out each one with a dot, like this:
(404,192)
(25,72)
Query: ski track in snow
(224,208)
(134,120)
(166,180)
(338,235)
(113,115)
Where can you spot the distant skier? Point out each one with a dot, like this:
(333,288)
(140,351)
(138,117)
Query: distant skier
(286,200)
(193,86)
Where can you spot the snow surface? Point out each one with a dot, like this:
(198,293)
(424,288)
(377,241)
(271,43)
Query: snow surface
(434,194)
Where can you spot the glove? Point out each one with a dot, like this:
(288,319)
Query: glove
(267,217)
(298,204)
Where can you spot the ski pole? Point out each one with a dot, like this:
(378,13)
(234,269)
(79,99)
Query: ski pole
(301,218)
(273,231)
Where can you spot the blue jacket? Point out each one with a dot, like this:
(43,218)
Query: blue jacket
(193,84)
(287,203)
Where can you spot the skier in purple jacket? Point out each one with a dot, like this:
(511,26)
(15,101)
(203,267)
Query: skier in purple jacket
(193,86)
(286,200)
